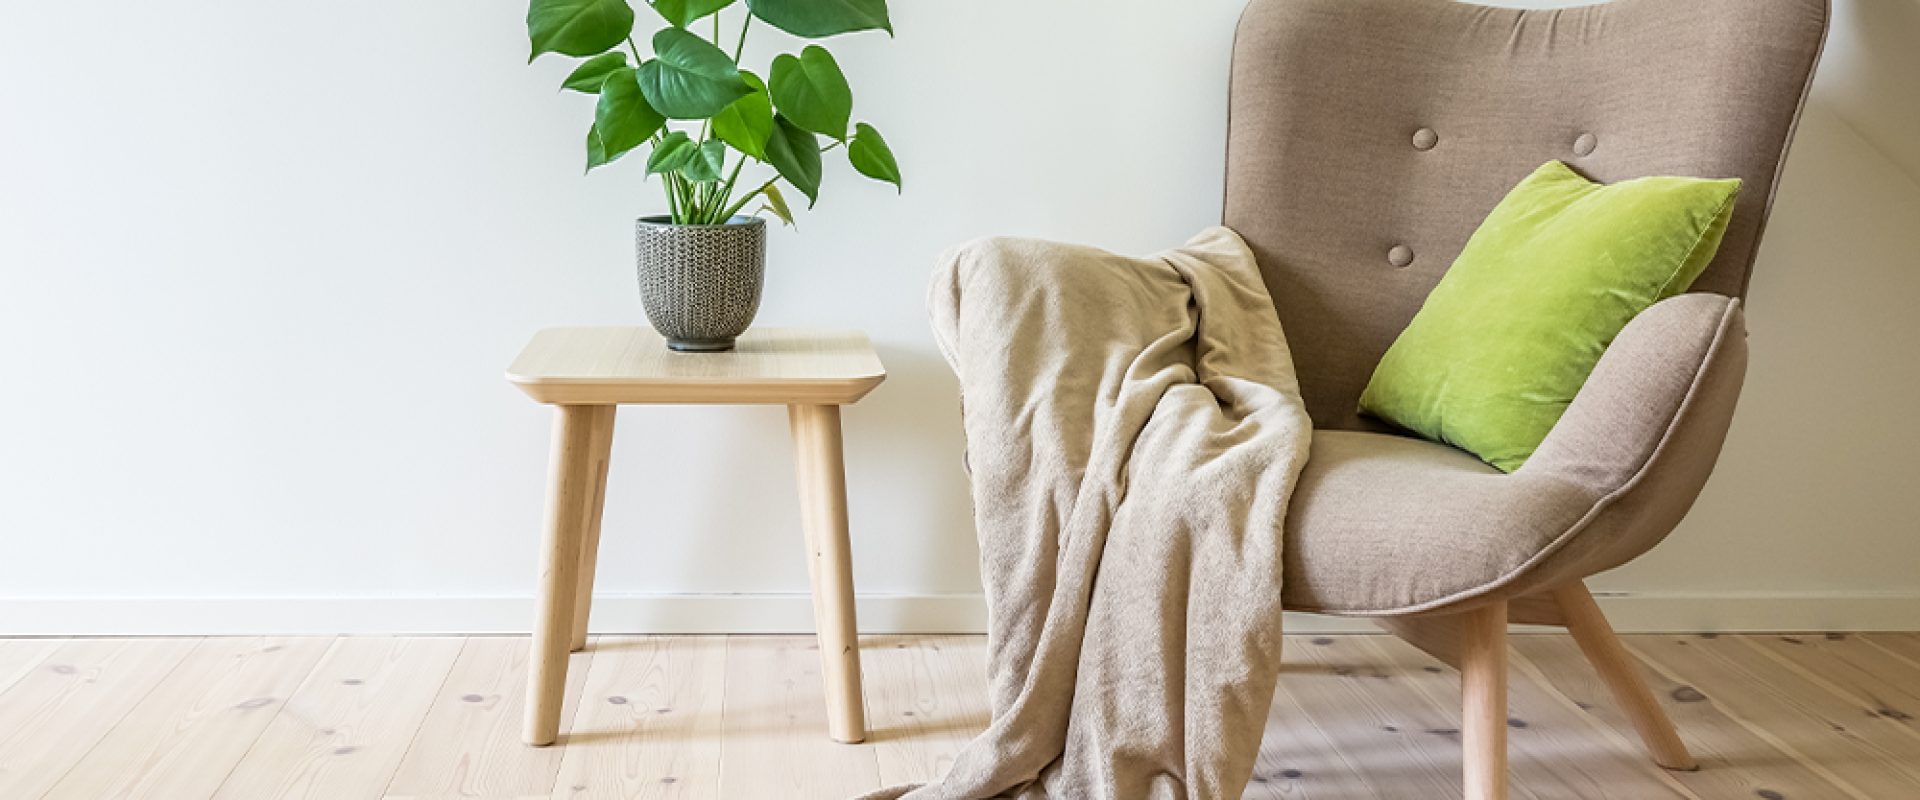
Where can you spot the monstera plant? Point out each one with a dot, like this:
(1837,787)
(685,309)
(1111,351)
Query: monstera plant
(701,120)
(780,119)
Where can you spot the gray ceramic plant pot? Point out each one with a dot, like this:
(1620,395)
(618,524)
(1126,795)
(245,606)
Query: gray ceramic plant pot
(701,283)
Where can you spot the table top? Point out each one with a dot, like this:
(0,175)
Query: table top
(604,366)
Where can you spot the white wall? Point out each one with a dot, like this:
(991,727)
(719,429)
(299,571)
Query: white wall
(261,267)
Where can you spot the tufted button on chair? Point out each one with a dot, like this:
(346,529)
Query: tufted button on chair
(1363,127)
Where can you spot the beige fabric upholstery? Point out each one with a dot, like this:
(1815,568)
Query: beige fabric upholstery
(1384,524)
(1357,127)
(1367,139)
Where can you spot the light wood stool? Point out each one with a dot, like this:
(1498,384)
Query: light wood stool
(585,373)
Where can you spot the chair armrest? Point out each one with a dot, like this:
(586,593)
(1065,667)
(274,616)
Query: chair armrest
(1643,433)
(1634,398)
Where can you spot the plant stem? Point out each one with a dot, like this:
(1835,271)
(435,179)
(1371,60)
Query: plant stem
(742,46)
(673,199)
(687,200)
(636,51)
(673,195)
(836,143)
(726,191)
(716,43)
(743,200)
(666,180)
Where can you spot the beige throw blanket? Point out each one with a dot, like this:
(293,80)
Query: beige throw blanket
(1134,432)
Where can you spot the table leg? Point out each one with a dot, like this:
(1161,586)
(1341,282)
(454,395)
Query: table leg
(823,508)
(569,481)
(600,449)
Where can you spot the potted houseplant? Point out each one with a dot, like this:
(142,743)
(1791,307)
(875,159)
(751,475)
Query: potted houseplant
(701,120)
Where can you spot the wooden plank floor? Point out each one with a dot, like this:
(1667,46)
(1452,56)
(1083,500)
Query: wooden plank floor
(702,718)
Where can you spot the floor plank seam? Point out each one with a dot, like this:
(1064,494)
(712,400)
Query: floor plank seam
(122,717)
(311,671)
(1758,731)
(1873,642)
(1770,715)
(1607,732)
(438,690)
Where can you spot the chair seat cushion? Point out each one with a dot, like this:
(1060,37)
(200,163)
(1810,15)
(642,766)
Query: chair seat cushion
(1383,524)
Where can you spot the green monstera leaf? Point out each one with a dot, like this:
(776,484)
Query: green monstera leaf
(596,150)
(689,78)
(672,153)
(778,121)
(818,19)
(872,157)
(683,12)
(700,162)
(623,120)
(594,71)
(707,162)
(578,28)
(812,91)
(749,121)
(795,153)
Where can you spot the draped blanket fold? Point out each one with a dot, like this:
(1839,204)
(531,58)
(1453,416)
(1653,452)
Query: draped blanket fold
(1134,432)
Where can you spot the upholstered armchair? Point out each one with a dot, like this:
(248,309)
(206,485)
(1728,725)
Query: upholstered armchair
(1367,139)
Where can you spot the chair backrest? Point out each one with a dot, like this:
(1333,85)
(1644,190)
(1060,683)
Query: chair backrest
(1367,139)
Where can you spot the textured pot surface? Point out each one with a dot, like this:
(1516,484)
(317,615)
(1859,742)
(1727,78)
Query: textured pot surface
(701,283)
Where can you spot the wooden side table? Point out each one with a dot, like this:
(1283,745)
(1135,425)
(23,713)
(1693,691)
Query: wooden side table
(586,373)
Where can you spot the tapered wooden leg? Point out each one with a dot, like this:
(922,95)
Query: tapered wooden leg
(569,482)
(1622,674)
(1483,690)
(823,508)
(599,450)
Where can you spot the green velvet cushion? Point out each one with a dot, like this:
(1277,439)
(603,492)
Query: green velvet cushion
(1557,270)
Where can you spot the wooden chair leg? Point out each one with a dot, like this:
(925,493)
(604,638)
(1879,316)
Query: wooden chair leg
(1483,689)
(1622,675)
(823,508)
(599,452)
(569,477)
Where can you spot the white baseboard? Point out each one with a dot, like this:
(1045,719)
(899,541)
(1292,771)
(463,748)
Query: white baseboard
(784,613)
